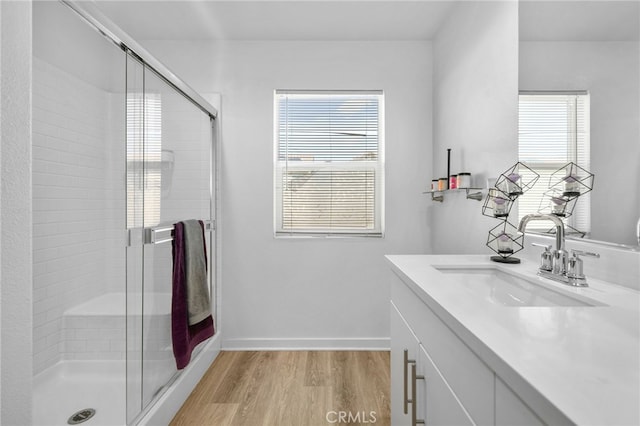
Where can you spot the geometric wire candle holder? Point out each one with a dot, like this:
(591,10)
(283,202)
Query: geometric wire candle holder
(555,202)
(566,185)
(497,204)
(505,241)
(504,238)
(571,180)
(516,181)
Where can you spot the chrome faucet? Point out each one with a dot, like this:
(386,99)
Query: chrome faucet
(559,265)
(560,260)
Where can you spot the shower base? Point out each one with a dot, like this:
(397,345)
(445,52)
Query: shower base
(70,386)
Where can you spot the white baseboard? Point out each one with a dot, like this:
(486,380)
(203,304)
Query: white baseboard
(302,344)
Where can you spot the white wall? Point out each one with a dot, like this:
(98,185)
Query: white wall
(475,113)
(15,217)
(309,292)
(609,71)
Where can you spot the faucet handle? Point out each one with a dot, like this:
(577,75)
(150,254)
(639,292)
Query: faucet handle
(575,272)
(546,247)
(546,257)
(577,253)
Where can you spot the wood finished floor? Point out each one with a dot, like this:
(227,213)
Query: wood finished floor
(291,388)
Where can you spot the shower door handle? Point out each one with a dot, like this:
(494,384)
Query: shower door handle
(158,235)
(164,234)
(134,237)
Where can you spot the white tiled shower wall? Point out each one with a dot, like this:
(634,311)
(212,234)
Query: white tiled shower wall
(78,201)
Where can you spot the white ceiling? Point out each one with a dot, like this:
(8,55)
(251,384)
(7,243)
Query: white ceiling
(574,20)
(278,20)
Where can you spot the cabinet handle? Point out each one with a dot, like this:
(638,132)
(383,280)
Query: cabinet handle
(405,387)
(414,402)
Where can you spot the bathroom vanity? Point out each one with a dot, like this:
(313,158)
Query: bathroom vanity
(476,342)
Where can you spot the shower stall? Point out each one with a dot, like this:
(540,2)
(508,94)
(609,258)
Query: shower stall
(122,150)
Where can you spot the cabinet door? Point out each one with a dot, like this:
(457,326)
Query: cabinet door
(510,410)
(437,403)
(469,377)
(402,338)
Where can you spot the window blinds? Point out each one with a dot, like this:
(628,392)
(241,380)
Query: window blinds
(553,130)
(328,163)
(144,146)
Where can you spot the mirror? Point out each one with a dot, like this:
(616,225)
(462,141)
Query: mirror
(594,46)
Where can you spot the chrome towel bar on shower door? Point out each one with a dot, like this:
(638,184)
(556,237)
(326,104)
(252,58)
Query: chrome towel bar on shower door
(164,233)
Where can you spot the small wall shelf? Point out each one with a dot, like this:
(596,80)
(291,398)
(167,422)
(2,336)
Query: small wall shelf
(471,193)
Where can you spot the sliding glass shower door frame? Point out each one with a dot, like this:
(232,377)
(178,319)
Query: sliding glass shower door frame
(139,64)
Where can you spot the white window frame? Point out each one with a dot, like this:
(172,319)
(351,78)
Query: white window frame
(377,166)
(581,217)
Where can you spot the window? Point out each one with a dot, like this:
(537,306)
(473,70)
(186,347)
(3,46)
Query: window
(144,143)
(553,130)
(329,163)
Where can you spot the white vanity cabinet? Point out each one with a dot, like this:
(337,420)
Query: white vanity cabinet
(433,403)
(454,386)
(468,379)
(491,364)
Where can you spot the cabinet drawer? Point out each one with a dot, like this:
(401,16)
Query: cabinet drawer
(470,378)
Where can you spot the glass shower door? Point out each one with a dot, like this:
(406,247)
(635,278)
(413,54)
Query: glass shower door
(135,231)
(172,183)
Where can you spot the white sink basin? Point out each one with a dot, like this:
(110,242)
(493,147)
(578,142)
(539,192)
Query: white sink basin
(508,289)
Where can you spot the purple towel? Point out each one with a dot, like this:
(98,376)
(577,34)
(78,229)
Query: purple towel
(185,337)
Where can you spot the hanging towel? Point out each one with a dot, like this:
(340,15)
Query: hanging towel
(189,264)
(195,260)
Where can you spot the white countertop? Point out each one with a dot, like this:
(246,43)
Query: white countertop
(584,360)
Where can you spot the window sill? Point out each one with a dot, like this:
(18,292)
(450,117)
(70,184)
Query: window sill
(298,236)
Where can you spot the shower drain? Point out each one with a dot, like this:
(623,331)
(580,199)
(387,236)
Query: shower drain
(81,416)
